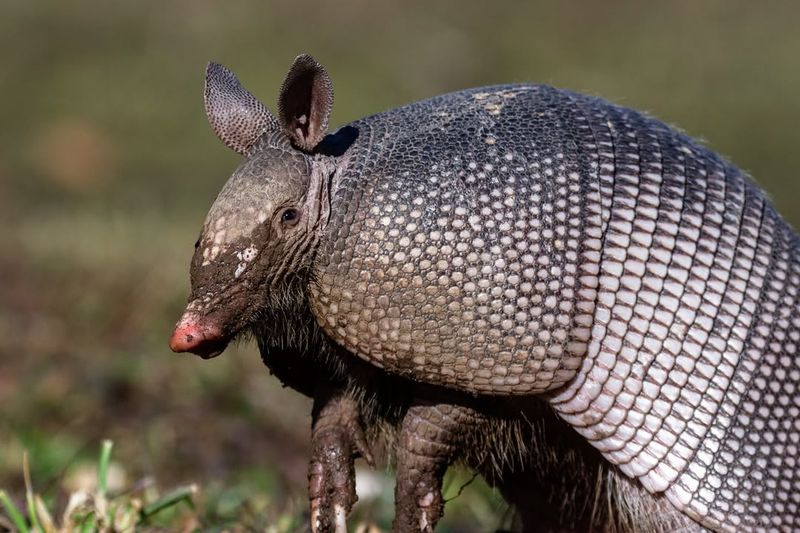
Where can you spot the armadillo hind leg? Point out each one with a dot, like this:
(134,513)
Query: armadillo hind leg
(617,504)
(556,481)
(337,438)
(431,437)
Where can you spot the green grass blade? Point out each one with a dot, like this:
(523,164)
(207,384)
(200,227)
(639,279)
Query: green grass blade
(26,474)
(32,513)
(102,470)
(13,513)
(87,525)
(168,500)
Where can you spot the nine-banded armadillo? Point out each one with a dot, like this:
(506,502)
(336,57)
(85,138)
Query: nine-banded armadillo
(592,309)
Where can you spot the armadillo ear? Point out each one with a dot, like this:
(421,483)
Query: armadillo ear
(305,102)
(235,115)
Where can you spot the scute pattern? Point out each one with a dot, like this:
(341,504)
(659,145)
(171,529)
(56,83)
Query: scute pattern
(745,472)
(519,239)
(235,115)
(463,268)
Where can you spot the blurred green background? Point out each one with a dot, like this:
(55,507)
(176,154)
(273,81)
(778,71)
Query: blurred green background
(107,168)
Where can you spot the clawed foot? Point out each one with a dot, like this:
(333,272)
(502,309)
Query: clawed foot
(338,439)
(431,436)
(422,508)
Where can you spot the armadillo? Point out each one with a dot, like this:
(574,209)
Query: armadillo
(514,256)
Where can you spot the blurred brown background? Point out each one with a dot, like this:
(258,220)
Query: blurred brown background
(107,168)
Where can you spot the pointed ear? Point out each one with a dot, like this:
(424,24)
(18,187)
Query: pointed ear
(235,115)
(305,102)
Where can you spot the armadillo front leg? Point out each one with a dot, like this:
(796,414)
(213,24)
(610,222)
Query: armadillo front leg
(431,435)
(337,439)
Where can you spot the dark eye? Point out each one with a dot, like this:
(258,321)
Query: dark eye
(290,217)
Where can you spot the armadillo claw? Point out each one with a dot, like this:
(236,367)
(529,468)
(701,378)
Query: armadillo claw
(421,508)
(331,481)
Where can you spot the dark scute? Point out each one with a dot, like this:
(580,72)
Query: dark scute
(305,102)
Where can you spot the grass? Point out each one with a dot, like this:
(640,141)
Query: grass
(142,507)
(93,510)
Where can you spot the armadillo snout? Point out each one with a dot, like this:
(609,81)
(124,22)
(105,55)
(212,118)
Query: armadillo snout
(198,336)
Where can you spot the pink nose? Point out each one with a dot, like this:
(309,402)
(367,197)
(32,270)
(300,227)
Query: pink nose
(192,334)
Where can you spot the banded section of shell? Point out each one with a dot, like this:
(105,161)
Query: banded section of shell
(520,239)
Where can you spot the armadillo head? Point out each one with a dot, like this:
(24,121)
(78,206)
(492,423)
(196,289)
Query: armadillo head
(264,223)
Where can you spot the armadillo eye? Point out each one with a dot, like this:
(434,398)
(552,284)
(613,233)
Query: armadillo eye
(290,216)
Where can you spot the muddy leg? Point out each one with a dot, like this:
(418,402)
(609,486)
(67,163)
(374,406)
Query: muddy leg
(431,437)
(337,438)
